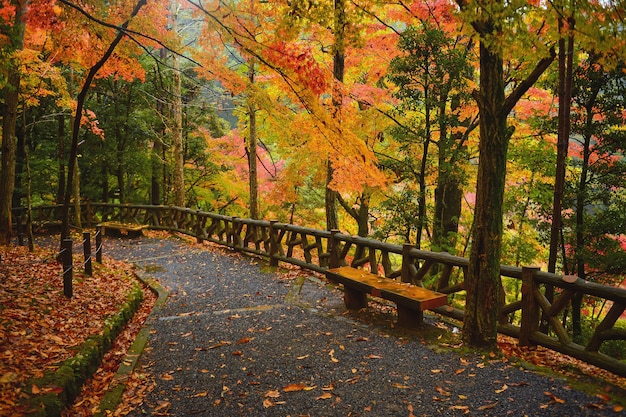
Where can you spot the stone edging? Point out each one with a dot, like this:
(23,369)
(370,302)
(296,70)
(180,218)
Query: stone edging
(113,397)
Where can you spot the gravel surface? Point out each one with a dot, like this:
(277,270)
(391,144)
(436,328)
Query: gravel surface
(234,340)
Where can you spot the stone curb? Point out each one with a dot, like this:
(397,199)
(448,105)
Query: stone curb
(113,397)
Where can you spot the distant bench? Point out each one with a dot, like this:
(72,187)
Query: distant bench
(122,229)
(411,300)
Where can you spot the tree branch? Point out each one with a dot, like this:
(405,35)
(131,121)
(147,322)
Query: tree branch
(523,87)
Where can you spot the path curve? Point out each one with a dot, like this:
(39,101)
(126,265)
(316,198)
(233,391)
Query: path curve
(234,340)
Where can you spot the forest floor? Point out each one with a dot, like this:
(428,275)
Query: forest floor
(40,327)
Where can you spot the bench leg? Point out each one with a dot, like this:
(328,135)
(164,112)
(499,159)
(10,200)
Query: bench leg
(409,319)
(354,299)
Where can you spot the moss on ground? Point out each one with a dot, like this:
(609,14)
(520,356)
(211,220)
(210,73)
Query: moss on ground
(56,390)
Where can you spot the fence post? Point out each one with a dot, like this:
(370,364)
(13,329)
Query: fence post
(273,244)
(405,272)
(333,249)
(199,227)
(231,236)
(99,245)
(530,309)
(87,253)
(66,256)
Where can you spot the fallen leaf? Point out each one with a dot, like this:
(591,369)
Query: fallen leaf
(488,406)
(272,394)
(460,407)
(436,371)
(8,377)
(400,386)
(267,403)
(220,344)
(372,357)
(501,390)
(243,340)
(298,387)
(325,396)
(167,377)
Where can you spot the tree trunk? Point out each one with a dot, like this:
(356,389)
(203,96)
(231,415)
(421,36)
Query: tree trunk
(421,209)
(61,155)
(330,201)
(566,53)
(483,277)
(157,172)
(10,92)
(339,52)
(119,171)
(76,194)
(178,176)
(252,147)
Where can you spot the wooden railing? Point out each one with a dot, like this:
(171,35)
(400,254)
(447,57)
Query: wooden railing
(318,250)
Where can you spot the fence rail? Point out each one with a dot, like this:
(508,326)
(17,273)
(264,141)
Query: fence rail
(317,250)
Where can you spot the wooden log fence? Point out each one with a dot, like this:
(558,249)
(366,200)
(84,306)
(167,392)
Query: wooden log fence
(317,250)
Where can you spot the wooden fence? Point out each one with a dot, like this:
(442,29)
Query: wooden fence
(316,250)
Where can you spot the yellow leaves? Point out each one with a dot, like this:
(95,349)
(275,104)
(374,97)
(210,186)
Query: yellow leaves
(332,356)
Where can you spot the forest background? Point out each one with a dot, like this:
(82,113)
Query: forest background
(492,130)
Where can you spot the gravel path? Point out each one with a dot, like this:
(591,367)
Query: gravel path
(234,340)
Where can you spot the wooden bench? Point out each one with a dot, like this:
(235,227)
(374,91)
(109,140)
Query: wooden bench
(411,300)
(122,229)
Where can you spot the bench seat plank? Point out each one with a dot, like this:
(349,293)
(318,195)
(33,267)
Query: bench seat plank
(131,228)
(398,292)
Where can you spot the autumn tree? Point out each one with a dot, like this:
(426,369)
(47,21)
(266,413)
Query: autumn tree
(431,78)
(493,22)
(598,111)
(12,28)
